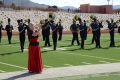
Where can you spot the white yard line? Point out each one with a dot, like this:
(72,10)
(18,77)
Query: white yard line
(2,71)
(86,63)
(89,56)
(104,62)
(13,65)
(48,66)
(68,65)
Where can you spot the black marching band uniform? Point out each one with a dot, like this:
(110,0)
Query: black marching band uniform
(9,29)
(46,28)
(60,29)
(111,30)
(43,30)
(98,33)
(21,30)
(74,29)
(82,33)
(54,28)
(119,27)
(28,30)
(95,29)
(1,28)
(85,30)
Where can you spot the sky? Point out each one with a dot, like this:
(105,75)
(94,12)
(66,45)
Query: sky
(76,3)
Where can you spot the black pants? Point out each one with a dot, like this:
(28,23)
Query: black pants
(54,37)
(93,38)
(0,36)
(22,41)
(0,39)
(112,43)
(9,34)
(85,34)
(82,35)
(98,38)
(60,34)
(47,41)
(75,37)
(43,35)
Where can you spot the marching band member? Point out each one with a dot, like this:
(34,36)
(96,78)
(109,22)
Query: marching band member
(9,29)
(54,28)
(46,27)
(1,28)
(85,30)
(43,30)
(95,27)
(82,33)
(111,30)
(21,30)
(60,29)
(98,33)
(74,29)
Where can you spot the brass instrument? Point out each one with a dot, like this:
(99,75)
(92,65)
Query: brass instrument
(26,20)
(76,17)
(92,16)
(51,16)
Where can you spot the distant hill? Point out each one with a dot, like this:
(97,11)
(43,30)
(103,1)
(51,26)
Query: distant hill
(25,3)
(66,7)
(116,7)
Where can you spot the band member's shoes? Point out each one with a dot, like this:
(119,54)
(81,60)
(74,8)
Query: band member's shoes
(22,50)
(49,45)
(82,48)
(45,45)
(54,49)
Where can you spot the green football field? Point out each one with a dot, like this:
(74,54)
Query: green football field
(11,59)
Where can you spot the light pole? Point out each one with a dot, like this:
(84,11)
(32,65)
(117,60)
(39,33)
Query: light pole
(112,2)
(3,5)
(108,1)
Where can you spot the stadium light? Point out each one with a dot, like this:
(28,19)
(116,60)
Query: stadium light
(112,2)
(108,1)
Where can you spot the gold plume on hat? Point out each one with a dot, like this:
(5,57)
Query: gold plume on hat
(111,18)
(1,21)
(41,21)
(59,22)
(87,21)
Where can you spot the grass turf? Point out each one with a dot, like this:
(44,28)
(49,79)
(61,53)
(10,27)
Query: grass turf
(11,59)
